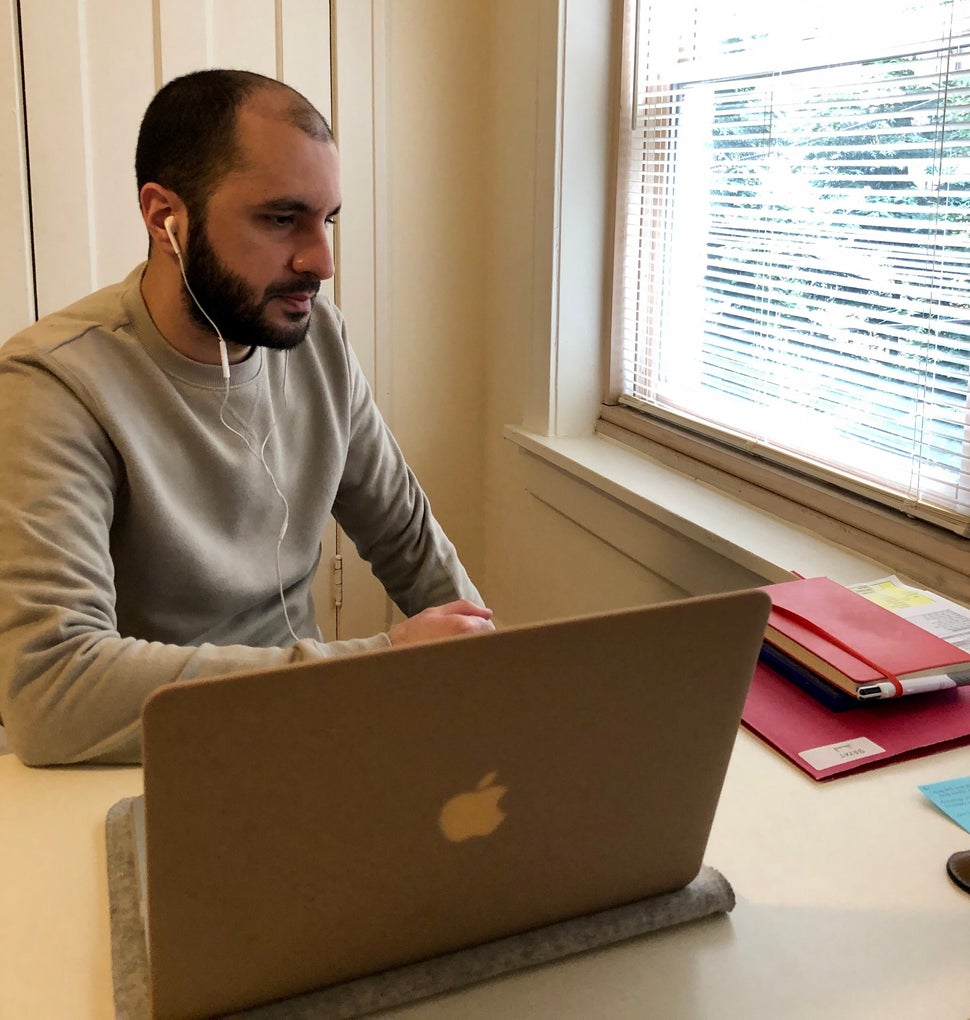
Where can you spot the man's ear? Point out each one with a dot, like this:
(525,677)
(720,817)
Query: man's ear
(158,204)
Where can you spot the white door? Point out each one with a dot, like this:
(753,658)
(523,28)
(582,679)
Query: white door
(72,223)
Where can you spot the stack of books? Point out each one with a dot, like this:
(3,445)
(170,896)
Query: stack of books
(844,648)
(844,683)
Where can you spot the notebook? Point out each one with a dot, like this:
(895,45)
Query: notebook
(310,825)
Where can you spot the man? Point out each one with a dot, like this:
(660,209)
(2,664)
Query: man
(174,444)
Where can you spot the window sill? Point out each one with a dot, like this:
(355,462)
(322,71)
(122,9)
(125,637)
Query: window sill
(757,541)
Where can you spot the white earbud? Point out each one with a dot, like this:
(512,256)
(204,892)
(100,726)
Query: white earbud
(170,230)
(223,352)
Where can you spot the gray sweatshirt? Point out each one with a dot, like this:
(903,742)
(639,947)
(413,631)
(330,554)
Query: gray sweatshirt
(138,533)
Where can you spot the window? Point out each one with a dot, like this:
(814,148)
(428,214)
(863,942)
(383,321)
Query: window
(793,242)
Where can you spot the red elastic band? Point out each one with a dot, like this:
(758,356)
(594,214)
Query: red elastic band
(839,643)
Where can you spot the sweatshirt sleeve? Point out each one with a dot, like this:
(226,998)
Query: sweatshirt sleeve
(71,687)
(387,515)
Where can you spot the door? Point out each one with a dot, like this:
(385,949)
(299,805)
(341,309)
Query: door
(81,75)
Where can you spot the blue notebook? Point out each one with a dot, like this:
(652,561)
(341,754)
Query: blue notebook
(832,697)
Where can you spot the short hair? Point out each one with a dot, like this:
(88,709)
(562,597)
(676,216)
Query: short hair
(187,140)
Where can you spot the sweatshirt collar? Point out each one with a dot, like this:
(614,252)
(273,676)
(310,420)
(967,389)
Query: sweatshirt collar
(167,357)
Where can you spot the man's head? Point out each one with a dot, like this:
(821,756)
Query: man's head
(247,170)
(188,141)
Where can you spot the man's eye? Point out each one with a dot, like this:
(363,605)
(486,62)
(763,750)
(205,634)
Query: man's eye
(281,219)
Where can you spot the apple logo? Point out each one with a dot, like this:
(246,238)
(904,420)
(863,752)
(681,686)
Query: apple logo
(474,813)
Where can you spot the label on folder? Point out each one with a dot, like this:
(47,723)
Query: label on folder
(845,750)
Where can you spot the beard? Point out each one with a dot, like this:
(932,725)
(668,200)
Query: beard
(231,304)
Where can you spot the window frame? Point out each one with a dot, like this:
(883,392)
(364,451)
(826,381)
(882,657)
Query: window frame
(924,552)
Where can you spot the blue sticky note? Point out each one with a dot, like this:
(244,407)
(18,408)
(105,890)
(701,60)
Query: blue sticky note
(952,796)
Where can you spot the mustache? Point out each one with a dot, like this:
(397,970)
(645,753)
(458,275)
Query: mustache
(305,285)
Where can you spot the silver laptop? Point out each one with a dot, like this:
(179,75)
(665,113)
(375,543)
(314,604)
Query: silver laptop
(314,824)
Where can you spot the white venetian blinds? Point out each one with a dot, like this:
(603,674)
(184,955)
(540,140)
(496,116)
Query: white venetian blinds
(793,244)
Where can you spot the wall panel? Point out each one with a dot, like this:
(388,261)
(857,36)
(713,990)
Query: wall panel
(90,72)
(358,107)
(16,280)
(74,154)
(194,34)
(120,84)
(244,35)
(184,38)
(305,51)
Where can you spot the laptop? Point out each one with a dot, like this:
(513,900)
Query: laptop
(310,825)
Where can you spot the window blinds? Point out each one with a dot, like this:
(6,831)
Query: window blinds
(793,243)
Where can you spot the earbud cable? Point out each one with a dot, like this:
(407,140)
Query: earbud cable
(259,454)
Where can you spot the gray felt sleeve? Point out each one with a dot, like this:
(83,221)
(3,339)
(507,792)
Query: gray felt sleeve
(709,893)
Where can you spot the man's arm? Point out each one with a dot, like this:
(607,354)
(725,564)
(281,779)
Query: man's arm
(71,687)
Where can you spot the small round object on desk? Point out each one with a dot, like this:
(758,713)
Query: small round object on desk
(958,868)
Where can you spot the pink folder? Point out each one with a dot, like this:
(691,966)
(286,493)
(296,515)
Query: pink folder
(865,737)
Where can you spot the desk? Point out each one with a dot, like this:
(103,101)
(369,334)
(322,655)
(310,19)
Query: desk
(844,908)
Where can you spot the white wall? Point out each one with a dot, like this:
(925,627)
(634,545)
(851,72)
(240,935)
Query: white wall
(542,557)
(439,215)
(423,339)
(471,98)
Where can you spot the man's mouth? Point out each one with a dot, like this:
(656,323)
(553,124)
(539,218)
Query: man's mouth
(301,302)
(297,300)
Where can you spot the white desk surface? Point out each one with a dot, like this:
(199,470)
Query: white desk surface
(844,907)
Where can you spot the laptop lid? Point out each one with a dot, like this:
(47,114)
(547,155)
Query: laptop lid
(321,822)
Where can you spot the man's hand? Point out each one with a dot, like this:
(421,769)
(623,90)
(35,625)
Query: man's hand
(439,622)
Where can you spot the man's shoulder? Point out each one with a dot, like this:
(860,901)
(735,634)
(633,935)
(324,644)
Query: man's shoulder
(326,322)
(326,340)
(328,336)
(103,312)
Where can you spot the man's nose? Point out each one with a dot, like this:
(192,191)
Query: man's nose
(316,257)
